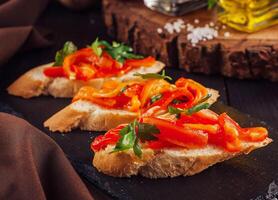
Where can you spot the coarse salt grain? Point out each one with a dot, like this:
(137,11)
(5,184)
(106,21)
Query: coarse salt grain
(196,21)
(198,34)
(176,26)
(227,34)
(159,30)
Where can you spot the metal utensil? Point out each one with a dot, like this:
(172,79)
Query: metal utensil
(175,7)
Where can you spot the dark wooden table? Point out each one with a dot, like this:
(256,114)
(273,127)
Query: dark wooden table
(257,98)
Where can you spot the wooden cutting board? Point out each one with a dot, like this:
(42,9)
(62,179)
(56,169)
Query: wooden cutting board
(241,55)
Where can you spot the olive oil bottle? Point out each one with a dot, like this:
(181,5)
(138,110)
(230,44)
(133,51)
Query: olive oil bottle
(248,15)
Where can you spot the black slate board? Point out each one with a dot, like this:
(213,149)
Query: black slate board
(245,177)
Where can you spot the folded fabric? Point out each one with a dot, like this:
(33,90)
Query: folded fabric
(17,19)
(33,166)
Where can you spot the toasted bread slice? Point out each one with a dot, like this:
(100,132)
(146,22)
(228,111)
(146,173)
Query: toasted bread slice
(91,117)
(34,83)
(88,116)
(165,162)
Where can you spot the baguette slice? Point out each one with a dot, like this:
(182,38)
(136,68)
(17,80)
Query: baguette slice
(34,83)
(166,162)
(88,116)
(91,117)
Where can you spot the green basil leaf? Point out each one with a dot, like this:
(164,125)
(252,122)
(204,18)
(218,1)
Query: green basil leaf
(68,48)
(132,56)
(155,98)
(173,110)
(137,148)
(117,51)
(189,111)
(123,89)
(199,106)
(154,76)
(205,98)
(147,132)
(127,139)
(132,134)
(96,47)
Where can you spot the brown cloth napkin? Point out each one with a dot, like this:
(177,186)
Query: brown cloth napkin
(17,31)
(32,165)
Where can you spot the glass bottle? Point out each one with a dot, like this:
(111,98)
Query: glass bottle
(248,15)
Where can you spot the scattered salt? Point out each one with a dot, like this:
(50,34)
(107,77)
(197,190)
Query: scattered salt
(176,26)
(227,34)
(195,35)
(189,27)
(159,30)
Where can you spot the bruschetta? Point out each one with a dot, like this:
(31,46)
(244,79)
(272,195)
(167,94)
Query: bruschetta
(75,68)
(122,102)
(177,143)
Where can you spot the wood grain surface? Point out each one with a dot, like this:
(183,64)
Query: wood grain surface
(241,55)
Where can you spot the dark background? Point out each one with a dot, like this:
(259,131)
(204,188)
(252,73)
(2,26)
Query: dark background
(258,98)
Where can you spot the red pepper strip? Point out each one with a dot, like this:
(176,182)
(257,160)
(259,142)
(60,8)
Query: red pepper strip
(207,128)
(81,56)
(198,90)
(168,97)
(111,137)
(205,116)
(156,144)
(84,72)
(256,134)
(54,72)
(146,62)
(231,131)
(178,135)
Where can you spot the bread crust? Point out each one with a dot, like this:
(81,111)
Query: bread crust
(34,83)
(166,162)
(88,116)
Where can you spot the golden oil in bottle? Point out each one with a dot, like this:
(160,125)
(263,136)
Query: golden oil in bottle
(248,15)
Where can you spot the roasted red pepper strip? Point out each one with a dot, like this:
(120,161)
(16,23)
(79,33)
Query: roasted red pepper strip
(157,144)
(178,135)
(255,134)
(205,116)
(72,61)
(231,132)
(111,137)
(146,62)
(198,90)
(168,97)
(54,72)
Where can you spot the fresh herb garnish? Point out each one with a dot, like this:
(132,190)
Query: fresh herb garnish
(123,89)
(211,3)
(155,98)
(154,76)
(96,47)
(199,106)
(205,98)
(68,48)
(177,101)
(117,51)
(133,133)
